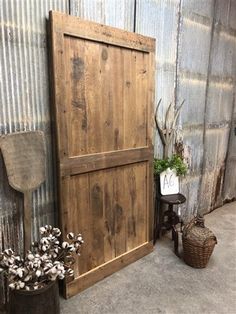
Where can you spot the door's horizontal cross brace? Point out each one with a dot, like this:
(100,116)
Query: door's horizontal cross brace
(99,161)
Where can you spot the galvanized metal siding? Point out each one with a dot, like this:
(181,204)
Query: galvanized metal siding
(159,19)
(24,94)
(110,12)
(196,62)
(228,93)
(229,188)
(192,75)
(220,98)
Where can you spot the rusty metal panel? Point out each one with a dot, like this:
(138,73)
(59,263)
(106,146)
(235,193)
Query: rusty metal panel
(219,103)
(113,13)
(25,104)
(193,140)
(216,143)
(189,186)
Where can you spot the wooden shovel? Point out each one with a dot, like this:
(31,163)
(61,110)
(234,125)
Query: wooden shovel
(24,156)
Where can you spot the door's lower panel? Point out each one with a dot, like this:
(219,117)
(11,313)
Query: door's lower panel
(110,209)
(86,280)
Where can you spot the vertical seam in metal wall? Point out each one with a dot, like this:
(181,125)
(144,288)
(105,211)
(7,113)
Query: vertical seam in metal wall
(69,6)
(227,151)
(177,53)
(135,9)
(205,105)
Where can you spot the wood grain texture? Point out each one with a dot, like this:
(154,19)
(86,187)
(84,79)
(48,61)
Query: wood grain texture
(107,269)
(104,101)
(93,162)
(102,33)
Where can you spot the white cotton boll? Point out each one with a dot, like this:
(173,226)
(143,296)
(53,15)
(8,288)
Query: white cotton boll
(70,235)
(44,248)
(27,288)
(79,238)
(53,270)
(42,230)
(21,284)
(44,241)
(60,267)
(27,278)
(12,271)
(12,286)
(71,248)
(38,273)
(19,272)
(57,231)
(65,245)
(30,257)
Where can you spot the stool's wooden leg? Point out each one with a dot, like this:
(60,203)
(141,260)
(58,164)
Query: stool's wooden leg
(173,233)
(176,240)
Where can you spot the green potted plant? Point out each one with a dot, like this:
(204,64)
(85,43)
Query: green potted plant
(169,169)
(32,280)
(174,162)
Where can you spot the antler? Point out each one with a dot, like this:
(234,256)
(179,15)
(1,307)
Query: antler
(166,134)
(161,133)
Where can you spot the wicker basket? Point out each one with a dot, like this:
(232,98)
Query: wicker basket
(198,243)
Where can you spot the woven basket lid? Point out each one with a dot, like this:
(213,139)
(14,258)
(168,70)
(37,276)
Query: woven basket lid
(197,233)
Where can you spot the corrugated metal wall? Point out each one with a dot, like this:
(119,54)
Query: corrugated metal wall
(195,61)
(24,96)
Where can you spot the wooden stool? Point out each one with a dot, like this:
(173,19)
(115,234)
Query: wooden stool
(172,218)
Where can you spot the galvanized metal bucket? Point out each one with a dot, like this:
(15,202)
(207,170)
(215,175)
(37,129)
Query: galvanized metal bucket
(45,300)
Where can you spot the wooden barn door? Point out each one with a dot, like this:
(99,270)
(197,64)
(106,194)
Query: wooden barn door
(103,90)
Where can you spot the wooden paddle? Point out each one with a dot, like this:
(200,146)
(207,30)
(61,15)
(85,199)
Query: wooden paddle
(24,156)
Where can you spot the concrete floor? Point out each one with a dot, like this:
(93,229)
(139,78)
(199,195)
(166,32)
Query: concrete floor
(162,283)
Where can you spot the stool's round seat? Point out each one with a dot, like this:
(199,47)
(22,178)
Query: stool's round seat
(173,199)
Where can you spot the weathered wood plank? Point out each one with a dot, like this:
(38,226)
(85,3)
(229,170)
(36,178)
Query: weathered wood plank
(75,96)
(120,209)
(109,217)
(101,33)
(96,180)
(100,161)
